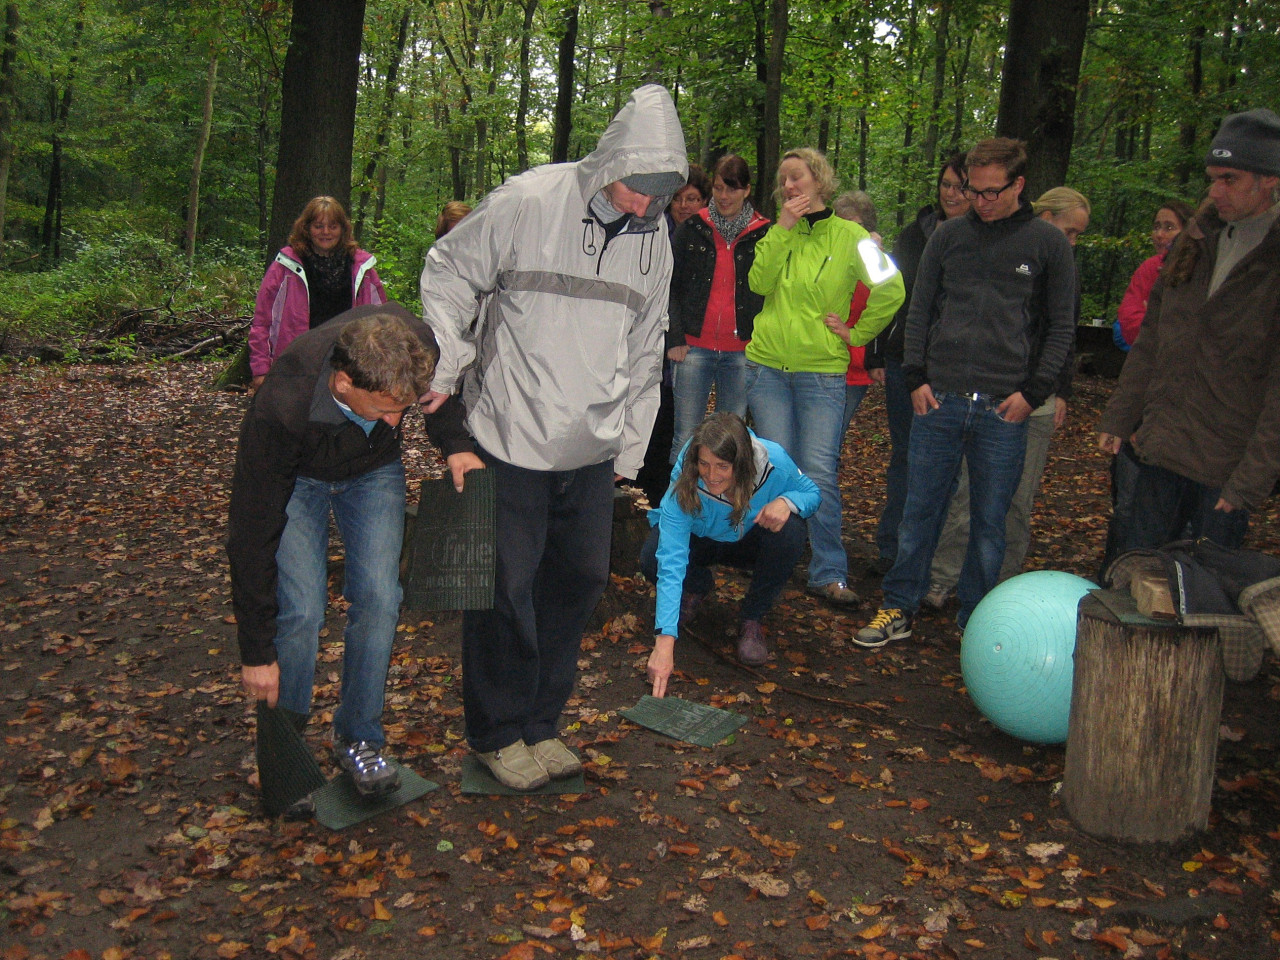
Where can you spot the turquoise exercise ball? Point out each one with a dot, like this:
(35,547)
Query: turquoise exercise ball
(1016,655)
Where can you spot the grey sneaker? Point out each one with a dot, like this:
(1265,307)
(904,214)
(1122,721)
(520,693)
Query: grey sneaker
(369,771)
(558,760)
(515,766)
(837,592)
(752,650)
(937,596)
(887,624)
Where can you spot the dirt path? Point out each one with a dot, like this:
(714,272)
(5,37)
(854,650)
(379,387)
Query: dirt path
(866,808)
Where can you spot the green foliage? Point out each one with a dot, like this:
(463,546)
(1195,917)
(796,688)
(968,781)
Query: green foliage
(890,88)
(125,273)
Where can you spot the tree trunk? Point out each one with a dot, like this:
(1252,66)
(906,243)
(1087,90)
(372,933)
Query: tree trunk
(564,86)
(957,112)
(1043,48)
(770,121)
(59,111)
(864,125)
(317,109)
(824,117)
(385,117)
(940,43)
(6,104)
(1188,130)
(522,102)
(1143,735)
(908,120)
(197,162)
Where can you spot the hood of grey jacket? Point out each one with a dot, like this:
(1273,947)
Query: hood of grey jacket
(645,137)
(560,330)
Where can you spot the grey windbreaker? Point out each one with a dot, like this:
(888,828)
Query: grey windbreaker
(562,368)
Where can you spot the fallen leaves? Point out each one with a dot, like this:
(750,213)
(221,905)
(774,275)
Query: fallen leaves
(919,832)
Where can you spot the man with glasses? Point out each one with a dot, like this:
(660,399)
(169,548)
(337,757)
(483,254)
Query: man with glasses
(322,436)
(1198,401)
(991,320)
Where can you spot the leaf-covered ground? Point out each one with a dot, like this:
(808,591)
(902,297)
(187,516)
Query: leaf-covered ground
(866,808)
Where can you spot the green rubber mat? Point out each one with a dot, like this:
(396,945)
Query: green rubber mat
(476,779)
(679,719)
(287,769)
(454,546)
(338,805)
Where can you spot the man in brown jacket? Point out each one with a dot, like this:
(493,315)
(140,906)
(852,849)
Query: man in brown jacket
(1197,407)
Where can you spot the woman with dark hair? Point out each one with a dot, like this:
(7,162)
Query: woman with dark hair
(711,309)
(736,499)
(688,200)
(318,275)
(883,357)
(808,266)
(1169,222)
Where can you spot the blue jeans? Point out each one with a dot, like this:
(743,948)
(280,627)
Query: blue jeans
(804,414)
(968,428)
(1167,506)
(949,555)
(897,404)
(520,659)
(770,557)
(854,393)
(369,510)
(694,377)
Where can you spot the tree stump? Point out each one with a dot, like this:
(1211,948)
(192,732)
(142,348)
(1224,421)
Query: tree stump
(1142,740)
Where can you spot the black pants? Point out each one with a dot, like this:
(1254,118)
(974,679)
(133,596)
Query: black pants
(770,557)
(519,659)
(655,474)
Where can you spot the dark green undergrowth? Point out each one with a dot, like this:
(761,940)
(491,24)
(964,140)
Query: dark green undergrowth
(106,285)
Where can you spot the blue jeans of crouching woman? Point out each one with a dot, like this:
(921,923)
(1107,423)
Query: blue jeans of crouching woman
(369,512)
(964,426)
(804,414)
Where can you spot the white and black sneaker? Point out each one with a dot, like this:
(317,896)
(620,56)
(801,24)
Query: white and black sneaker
(369,771)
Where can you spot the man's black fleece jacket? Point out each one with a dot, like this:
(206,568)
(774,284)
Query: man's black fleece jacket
(993,308)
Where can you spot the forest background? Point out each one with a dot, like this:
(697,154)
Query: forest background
(148,167)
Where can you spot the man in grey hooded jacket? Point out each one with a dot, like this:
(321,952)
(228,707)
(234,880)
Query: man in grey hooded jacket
(549,304)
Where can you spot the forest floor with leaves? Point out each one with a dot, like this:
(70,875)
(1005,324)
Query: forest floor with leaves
(866,809)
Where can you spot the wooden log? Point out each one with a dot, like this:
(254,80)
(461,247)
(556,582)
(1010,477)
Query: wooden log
(1142,740)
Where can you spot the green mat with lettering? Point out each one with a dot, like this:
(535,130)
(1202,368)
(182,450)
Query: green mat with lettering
(694,723)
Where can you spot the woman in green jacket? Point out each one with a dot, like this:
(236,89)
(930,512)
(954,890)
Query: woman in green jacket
(807,267)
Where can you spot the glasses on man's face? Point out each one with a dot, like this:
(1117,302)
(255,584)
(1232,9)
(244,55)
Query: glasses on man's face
(988,195)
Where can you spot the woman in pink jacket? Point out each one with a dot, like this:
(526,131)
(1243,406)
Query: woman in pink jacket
(318,275)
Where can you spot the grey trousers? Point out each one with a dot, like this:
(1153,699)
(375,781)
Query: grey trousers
(949,557)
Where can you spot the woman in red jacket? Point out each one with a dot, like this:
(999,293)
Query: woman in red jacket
(711,308)
(1170,219)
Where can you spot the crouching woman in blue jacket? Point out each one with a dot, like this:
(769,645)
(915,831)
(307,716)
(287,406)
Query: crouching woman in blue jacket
(734,499)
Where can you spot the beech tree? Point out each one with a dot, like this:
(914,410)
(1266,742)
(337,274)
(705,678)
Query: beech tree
(318,110)
(1038,86)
